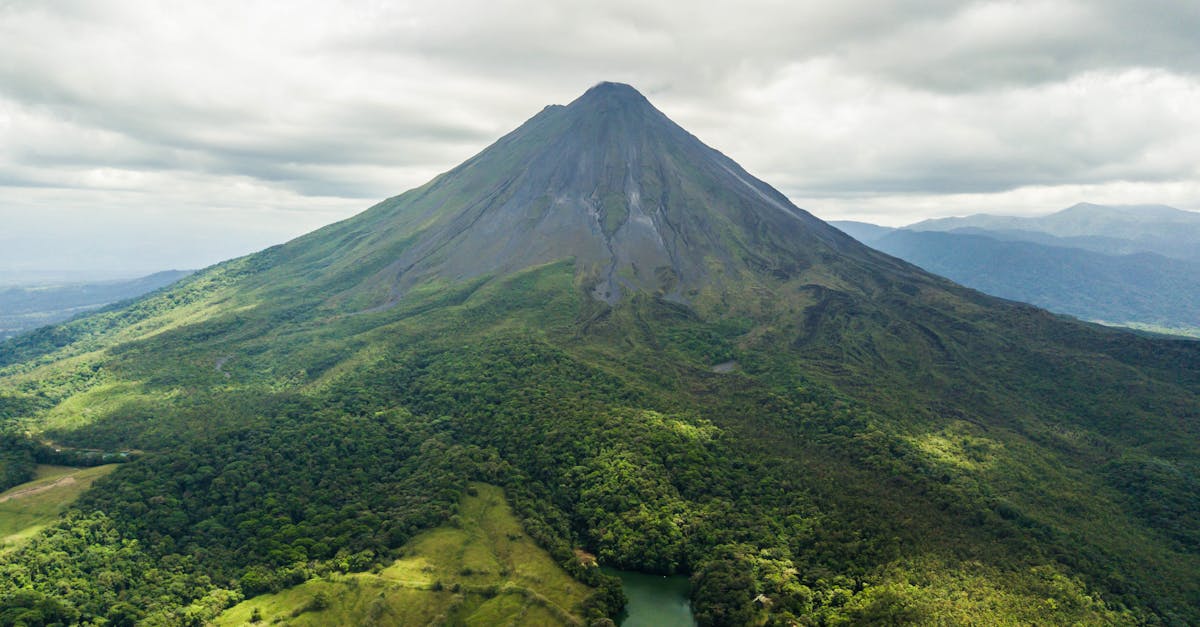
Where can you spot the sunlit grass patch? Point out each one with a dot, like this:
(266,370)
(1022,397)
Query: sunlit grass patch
(27,508)
(957,447)
(479,569)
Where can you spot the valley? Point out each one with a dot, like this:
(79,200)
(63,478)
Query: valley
(1130,266)
(24,306)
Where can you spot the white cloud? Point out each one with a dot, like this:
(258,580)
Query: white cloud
(193,123)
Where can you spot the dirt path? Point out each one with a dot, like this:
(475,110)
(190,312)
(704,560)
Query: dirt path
(19,494)
(221,364)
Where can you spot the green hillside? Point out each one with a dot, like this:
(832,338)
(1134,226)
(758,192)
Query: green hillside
(662,362)
(480,569)
(27,508)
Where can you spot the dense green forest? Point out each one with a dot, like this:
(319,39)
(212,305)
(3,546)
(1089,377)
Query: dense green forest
(16,460)
(760,481)
(814,432)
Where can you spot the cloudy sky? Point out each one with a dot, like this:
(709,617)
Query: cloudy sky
(137,136)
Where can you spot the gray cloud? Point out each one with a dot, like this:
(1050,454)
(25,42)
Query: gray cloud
(218,118)
(985,45)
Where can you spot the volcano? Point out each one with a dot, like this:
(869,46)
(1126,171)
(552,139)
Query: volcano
(636,202)
(664,364)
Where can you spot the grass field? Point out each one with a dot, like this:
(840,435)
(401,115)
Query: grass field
(27,508)
(479,570)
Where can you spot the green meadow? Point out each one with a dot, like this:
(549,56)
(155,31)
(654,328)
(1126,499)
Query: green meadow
(480,569)
(27,508)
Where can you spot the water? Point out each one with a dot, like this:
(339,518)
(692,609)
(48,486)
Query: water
(654,600)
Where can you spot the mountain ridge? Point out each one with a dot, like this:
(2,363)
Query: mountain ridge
(1063,274)
(1110,229)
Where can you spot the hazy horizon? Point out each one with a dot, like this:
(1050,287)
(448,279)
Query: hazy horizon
(122,269)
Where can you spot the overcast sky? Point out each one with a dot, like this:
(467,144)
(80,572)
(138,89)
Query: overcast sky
(137,136)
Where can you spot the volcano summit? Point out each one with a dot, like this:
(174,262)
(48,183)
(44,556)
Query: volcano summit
(662,361)
(638,203)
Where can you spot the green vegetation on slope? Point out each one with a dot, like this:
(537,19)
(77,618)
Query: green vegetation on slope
(622,440)
(27,508)
(17,464)
(20,457)
(478,569)
(876,445)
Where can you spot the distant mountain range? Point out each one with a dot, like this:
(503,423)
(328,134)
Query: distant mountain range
(26,307)
(1109,229)
(1136,265)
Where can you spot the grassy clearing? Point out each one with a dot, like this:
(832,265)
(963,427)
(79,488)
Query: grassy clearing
(26,508)
(481,569)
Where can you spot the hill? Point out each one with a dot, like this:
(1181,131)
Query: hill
(26,307)
(480,569)
(662,362)
(1109,229)
(1142,288)
(864,232)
